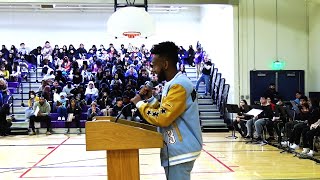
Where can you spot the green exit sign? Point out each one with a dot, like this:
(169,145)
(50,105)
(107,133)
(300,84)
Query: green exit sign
(278,65)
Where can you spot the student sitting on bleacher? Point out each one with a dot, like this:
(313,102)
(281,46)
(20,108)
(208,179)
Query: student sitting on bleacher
(74,109)
(32,99)
(91,93)
(117,108)
(16,72)
(4,124)
(4,72)
(93,111)
(61,106)
(4,91)
(67,88)
(41,114)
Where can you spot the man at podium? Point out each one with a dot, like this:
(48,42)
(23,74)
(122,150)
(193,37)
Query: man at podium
(177,114)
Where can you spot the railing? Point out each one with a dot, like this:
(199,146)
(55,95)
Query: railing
(21,92)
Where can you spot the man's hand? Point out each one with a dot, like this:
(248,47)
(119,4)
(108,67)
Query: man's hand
(136,99)
(145,92)
(238,119)
(39,113)
(312,126)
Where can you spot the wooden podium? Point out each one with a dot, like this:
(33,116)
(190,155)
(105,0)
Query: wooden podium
(122,141)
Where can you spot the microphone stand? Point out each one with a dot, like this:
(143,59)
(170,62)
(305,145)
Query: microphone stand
(121,112)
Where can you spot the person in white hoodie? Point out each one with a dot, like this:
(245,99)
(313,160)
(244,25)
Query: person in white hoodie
(91,93)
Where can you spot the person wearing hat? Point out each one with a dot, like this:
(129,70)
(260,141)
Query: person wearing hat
(91,92)
(67,88)
(62,107)
(41,114)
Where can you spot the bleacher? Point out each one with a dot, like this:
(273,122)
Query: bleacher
(211,108)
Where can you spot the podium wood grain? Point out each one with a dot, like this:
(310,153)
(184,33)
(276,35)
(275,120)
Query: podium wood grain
(104,135)
(124,164)
(122,140)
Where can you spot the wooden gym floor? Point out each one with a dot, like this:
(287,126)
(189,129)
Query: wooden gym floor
(64,157)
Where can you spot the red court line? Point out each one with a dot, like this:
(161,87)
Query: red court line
(22,175)
(228,167)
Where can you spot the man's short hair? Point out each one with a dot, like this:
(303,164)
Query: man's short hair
(166,50)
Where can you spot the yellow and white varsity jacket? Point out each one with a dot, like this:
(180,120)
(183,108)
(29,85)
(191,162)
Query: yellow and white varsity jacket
(177,117)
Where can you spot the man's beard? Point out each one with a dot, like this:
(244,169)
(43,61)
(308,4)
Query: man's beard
(161,76)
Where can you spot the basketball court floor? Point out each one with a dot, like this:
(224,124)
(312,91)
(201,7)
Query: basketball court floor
(65,157)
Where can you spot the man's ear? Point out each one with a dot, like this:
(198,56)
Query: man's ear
(166,65)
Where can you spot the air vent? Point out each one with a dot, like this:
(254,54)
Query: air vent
(46,6)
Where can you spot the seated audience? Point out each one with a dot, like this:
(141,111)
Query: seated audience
(4,123)
(32,99)
(41,114)
(260,120)
(241,118)
(91,93)
(61,106)
(93,111)
(74,111)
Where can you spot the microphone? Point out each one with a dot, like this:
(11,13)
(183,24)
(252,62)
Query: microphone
(121,112)
(149,86)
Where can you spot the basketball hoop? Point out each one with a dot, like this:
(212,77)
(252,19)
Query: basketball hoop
(131,22)
(131,34)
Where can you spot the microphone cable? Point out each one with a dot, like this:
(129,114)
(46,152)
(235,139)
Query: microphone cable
(167,159)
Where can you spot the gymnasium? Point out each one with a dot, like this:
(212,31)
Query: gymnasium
(253,65)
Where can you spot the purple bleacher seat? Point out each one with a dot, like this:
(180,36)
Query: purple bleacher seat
(13,87)
(61,124)
(13,84)
(12,90)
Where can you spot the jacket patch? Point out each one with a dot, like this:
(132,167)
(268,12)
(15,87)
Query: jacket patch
(171,138)
(155,114)
(162,111)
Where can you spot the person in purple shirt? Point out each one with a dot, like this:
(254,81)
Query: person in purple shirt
(197,60)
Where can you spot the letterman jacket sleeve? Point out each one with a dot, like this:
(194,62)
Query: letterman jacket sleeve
(171,107)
